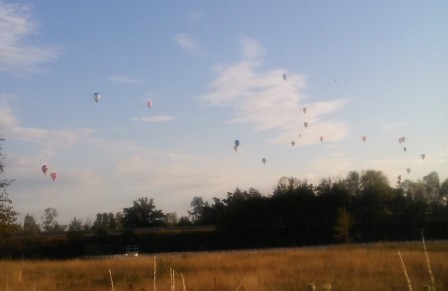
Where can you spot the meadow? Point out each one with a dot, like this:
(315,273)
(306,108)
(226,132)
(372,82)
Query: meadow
(354,267)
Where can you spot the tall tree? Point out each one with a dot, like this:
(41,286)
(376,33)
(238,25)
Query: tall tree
(30,227)
(8,216)
(49,223)
(343,225)
(143,213)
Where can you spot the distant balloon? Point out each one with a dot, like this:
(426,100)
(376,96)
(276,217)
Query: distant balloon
(408,170)
(53,176)
(44,169)
(300,135)
(305,124)
(237,142)
(149,104)
(423,156)
(304,109)
(263,160)
(321,139)
(364,138)
(401,139)
(293,143)
(96,97)
(284,76)
(235,148)
(404,148)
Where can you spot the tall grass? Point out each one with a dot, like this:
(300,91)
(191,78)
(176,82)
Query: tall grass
(372,267)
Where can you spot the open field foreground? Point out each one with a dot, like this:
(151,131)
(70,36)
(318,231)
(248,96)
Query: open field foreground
(357,267)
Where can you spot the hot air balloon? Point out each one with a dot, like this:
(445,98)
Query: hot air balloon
(408,170)
(293,143)
(300,135)
(44,169)
(404,148)
(149,104)
(237,142)
(263,160)
(284,77)
(305,124)
(364,138)
(304,109)
(423,156)
(235,148)
(96,97)
(53,176)
(321,139)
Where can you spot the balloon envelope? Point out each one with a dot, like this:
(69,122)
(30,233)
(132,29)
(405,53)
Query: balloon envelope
(53,176)
(237,142)
(293,143)
(44,169)
(235,148)
(404,148)
(304,109)
(305,124)
(423,156)
(263,160)
(364,138)
(408,170)
(321,139)
(96,97)
(284,76)
(149,104)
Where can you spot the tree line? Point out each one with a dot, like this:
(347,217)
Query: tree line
(361,207)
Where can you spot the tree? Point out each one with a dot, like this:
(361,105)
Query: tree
(197,206)
(171,218)
(49,223)
(75,225)
(30,226)
(8,216)
(143,213)
(343,224)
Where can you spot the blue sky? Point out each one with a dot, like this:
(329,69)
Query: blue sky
(214,73)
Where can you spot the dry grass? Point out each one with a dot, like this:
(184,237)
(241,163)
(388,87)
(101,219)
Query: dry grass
(375,267)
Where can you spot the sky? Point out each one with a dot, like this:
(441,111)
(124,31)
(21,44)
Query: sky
(214,74)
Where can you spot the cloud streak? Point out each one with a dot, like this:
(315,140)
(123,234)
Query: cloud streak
(185,41)
(15,53)
(154,118)
(267,101)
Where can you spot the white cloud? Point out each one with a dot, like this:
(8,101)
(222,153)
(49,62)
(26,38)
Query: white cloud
(15,53)
(154,118)
(124,80)
(185,41)
(267,101)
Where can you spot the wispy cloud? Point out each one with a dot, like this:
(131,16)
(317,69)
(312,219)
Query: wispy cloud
(393,126)
(185,41)
(124,80)
(268,101)
(15,53)
(154,118)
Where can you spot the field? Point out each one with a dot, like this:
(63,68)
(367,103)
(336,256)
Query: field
(356,267)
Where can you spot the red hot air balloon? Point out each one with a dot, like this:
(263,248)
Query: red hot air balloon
(321,139)
(44,169)
(53,176)
(364,138)
(149,104)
